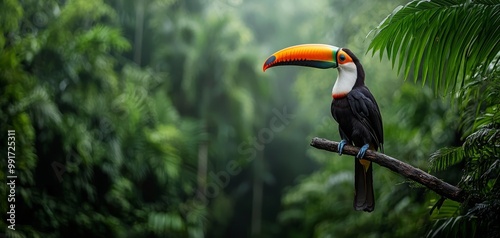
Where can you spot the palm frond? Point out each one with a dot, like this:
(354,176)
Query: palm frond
(484,141)
(488,214)
(447,209)
(479,100)
(165,223)
(40,105)
(423,37)
(449,223)
(460,226)
(446,157)
(482,149)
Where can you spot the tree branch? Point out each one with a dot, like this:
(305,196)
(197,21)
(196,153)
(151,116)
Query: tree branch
(440,187)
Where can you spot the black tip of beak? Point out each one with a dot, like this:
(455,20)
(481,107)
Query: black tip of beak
(269,62)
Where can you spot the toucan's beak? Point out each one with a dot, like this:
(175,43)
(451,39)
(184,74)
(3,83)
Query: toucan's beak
(311,55)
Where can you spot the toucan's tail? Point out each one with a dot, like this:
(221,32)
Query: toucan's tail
(363,183)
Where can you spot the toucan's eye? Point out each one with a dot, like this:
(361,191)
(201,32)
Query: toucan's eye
(342,57)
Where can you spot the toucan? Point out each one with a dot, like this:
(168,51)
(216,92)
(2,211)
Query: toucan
(353,107)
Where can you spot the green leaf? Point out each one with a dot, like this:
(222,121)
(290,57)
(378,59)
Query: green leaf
(424,35)
(446,157)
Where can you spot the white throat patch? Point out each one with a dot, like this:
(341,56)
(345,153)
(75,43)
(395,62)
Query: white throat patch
(345,80)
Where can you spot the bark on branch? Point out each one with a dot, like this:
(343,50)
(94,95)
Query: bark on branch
(440,187)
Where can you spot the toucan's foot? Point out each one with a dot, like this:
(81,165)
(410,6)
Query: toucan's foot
(362,151)
(341,146)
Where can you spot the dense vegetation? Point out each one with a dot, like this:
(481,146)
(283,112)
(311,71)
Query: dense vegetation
(153,118)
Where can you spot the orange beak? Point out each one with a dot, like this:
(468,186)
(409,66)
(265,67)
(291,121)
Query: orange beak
(310,55)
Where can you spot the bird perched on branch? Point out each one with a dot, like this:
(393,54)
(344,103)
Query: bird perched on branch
(353,107)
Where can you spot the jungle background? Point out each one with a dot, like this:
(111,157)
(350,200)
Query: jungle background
(154,119)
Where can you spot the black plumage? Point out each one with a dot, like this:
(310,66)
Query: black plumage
(360,123)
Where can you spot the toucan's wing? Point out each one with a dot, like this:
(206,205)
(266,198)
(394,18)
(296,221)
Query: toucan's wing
(344,136)
(365,108)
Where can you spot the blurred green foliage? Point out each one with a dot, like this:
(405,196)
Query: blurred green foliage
(153,119)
